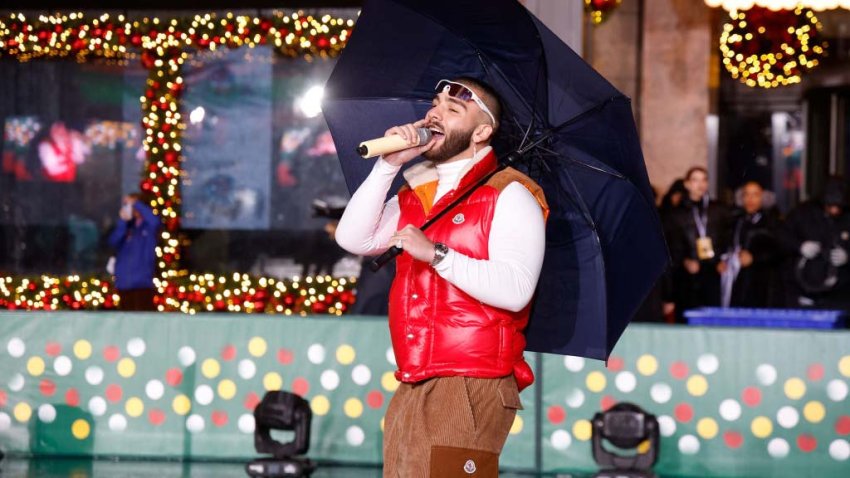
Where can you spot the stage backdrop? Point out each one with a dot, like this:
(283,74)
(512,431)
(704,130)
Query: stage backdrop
(729,401)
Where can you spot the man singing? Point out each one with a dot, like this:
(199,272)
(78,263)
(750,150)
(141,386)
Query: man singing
(460,300)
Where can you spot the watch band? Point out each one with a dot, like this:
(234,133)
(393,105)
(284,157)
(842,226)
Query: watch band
(440,251)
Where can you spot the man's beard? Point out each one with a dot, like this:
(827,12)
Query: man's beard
(453,145)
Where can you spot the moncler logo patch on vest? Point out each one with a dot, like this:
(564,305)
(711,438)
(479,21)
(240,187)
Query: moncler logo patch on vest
(469,467)
(458,219)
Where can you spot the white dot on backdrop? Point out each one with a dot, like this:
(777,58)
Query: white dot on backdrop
(391,356)
(561,440)
(62,365)
(46,413)
(136,347)
(204,395)
(195,423)
(16,347)
(247,369)
(573,364)
(836,390)
(689,445)
(97,406)
(154,389)
(355,436)
(708,363)
(730,410)
(661,392)
(361,374)
(94,375)
(787,417)
(186,356)
(766,374)
(666,425)
(778,448)
(5,422)
(117,423)
(329,380)
(246,423)
(16,384)
(625,382)
(839,450)
(316,354)
(575,398)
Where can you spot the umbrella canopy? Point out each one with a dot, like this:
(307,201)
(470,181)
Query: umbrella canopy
(604,245)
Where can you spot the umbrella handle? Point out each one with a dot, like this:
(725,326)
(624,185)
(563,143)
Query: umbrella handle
(387,256)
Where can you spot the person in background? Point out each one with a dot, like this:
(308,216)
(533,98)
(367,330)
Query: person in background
(817,238)
(134,241)
(748,268)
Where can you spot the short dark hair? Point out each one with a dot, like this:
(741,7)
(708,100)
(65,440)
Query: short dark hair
(693,170)
(487,94)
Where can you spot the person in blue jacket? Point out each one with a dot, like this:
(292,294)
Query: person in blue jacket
(134,241)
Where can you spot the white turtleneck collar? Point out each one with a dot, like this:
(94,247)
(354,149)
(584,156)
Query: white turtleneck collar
(448,175)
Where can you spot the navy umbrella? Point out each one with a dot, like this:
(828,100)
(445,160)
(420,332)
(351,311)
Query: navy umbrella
(604,243)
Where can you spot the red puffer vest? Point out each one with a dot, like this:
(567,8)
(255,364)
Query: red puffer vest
(438,330)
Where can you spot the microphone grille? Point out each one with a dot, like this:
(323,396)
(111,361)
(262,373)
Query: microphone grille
(424,135)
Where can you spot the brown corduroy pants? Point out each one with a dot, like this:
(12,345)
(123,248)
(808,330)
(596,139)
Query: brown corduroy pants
(449,427)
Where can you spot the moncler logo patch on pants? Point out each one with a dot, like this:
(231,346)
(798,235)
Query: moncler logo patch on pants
(452,462)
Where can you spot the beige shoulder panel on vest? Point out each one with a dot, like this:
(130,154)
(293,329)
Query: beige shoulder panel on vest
(508,175)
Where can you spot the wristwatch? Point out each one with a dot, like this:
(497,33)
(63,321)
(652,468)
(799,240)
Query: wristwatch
(440,251)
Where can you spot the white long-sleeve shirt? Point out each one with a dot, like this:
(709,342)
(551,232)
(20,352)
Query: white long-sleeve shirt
(516,244)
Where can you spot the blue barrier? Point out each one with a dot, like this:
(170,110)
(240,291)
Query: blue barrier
(777,318)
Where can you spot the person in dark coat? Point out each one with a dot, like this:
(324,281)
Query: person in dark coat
(696,240)
(817,239)
(748,269)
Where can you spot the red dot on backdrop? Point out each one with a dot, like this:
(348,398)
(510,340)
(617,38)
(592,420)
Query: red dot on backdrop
(3,398)
(842,425)
(173,377)
(111,353)
(53,349)
(815,372)
(228,353)
(72,397)
(47,387)
(375,399)
(219,418)
(300,386)
(807,443)
(679,370)
(683,412)
(556,414)
(751,396)
(251,401)
(156,416)
(284,356)
(733,439)
(114,393)
(607,402)
(615,364)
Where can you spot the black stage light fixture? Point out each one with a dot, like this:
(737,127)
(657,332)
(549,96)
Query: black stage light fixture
(625,426)
(288,412)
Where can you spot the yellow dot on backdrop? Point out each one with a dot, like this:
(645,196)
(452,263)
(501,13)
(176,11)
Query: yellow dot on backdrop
(353,408)
(181,405)
(643,447)
(82,349)
(389,382)
(210,368)
(517,425)
(595,381)
(814,412)
(80,429)
(707,428)
(22,412)
(345,354)
(134,407)
(227,389)
(272,381)
(697,385)
(257,347)
(761,427)
(126,367)
(795,388)
(582,430)
(320,405)
(35,366)
(844,365)
(647,365)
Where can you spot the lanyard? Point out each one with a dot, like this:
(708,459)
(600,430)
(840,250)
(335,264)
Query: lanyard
(701,220)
